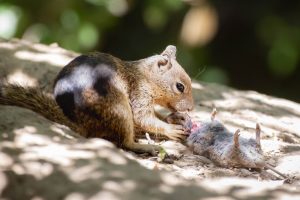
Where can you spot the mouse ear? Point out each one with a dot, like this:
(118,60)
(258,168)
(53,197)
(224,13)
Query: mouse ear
(257,138)
(236,138)
(170,52)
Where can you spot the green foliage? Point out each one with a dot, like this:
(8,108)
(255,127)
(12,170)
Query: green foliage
(162,154)
(284,43)
(235,42)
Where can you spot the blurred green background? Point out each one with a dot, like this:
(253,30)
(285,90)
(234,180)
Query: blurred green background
(245,44)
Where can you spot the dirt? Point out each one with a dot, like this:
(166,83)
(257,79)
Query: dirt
(43,160)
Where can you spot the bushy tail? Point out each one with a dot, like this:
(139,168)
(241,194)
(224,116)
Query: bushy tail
(33,99)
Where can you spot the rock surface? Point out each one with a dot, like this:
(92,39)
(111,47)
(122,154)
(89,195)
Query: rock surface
(43,160)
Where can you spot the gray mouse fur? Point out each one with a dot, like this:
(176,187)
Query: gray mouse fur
(214,141)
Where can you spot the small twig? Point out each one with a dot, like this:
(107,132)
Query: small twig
(150,141)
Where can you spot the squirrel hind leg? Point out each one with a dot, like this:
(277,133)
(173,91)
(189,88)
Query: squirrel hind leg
(110,117)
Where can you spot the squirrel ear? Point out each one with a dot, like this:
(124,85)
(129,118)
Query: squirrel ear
(170,52)
(164,64)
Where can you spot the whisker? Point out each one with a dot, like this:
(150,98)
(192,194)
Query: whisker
(200,71)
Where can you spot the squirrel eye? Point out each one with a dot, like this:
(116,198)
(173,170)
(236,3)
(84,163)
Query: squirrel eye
(180,87)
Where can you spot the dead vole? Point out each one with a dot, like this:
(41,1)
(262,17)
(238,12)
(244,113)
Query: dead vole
(213,140)
(226,149)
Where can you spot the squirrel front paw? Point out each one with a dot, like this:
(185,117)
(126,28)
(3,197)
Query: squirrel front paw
(180,119)
(175,132)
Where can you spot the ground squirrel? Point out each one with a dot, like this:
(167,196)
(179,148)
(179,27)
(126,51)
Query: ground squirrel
(103,96)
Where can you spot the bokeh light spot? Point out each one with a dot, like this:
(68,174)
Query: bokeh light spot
(36,33)
(117,7)
(70,19)
(9,18)
(155,17)
(88,35)
(199,26)
(283,58)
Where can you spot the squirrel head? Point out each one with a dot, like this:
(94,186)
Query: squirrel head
(171,85)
